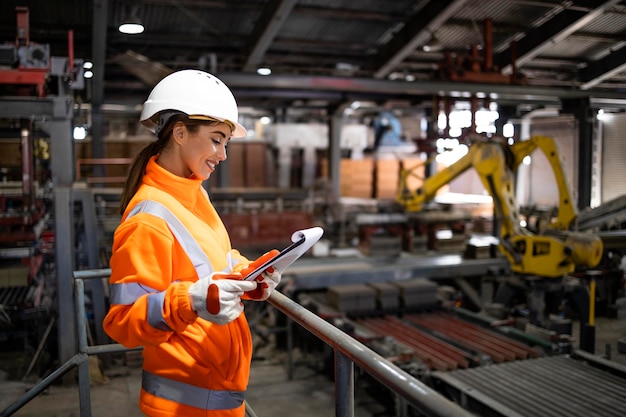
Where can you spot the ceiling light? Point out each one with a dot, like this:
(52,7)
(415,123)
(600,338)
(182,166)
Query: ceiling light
(131,25)
(433,45)
(263,70)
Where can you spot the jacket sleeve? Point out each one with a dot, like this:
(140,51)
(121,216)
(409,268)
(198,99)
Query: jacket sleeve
(240,262)
(148,303)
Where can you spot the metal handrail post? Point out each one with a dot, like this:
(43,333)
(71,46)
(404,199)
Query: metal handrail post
(344,385)
(84,389)
(290,364)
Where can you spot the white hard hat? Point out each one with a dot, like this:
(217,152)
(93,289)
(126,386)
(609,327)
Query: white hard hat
(196,93)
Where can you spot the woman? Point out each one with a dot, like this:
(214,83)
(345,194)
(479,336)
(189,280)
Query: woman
(176,283)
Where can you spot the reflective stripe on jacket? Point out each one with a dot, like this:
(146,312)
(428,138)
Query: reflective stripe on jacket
(170,237)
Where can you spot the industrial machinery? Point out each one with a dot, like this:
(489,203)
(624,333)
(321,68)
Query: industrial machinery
(552,252)
(27,63)
(37,92)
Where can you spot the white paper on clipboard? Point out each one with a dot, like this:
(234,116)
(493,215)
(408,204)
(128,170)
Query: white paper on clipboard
(302,240)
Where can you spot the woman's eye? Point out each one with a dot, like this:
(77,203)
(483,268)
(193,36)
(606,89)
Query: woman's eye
(217,141)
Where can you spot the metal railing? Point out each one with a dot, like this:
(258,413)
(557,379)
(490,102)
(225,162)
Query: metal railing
(347,350)
(80,360)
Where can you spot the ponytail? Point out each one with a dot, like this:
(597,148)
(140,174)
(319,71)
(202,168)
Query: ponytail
(138,166)
(136,171)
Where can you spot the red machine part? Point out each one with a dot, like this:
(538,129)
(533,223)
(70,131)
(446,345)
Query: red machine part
(23,77)
(474,68)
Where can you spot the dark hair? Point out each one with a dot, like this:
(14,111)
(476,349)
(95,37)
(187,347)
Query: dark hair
(137,168)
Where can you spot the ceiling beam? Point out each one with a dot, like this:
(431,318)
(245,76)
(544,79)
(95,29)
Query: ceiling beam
(522,93)
(250,88)
(273,17)
(415,32)
(551,32)
(349,14)
(607,67)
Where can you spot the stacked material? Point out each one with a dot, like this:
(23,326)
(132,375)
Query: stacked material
(387,296)
(352,298)
(481,247)
(444,242)
(417,294)
(382,245)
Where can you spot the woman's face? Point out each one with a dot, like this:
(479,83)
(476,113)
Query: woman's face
(202,151)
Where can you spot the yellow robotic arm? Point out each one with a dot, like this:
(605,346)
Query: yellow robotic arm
(567,211)
(554,252)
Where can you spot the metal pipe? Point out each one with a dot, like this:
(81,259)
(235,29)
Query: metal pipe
(110,348)
(84,389)
(42,385)
(344,385)
(42,343)
(415,392)
(92,273)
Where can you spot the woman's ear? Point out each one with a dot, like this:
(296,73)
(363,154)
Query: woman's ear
(179,132)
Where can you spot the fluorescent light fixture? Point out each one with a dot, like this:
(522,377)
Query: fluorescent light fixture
(263,70)
(131,26)
(433,45)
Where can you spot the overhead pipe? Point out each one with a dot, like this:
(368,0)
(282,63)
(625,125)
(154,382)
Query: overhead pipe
(488,40)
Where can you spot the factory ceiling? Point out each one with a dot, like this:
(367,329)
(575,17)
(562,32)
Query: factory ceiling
(327,53)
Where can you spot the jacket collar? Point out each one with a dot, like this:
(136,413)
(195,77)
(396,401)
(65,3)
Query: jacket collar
(185,190)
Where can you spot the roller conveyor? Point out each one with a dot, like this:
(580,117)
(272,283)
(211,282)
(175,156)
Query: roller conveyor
(443,342)
(554,386)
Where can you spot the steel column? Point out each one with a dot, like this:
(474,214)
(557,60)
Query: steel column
(98,45)
(61,155)
(581,109)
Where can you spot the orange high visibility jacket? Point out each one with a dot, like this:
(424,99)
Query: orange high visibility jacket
(191,366)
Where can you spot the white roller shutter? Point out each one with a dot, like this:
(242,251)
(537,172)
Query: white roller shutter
(613,166)
(542,188)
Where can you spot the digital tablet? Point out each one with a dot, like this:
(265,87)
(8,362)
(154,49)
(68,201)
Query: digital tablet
(302,240)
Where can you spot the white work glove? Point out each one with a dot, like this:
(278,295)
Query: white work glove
(217,297)
(267,281)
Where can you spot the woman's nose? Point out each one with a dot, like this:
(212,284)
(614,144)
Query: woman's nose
(221,152)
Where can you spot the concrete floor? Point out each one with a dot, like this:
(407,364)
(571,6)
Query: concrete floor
(270,393)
